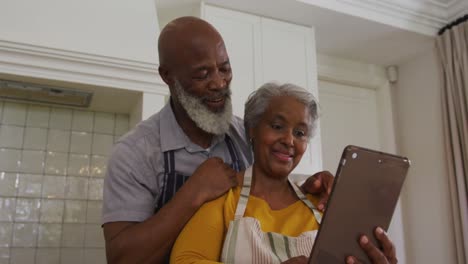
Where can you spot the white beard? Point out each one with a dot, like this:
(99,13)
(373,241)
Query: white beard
(216,123)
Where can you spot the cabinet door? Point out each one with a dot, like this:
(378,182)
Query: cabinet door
(241,34)
(286,52)
(263,50)
(288,55)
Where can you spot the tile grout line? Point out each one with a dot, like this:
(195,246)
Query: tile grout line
(13,198)
(12,222)
(11,237)
(88,185)
(51,199)
(43,177)
(65,186)
(56,175)
(18,172)
(61,152)
(66,130)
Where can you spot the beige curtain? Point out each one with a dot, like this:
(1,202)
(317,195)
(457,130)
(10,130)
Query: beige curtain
(452,45)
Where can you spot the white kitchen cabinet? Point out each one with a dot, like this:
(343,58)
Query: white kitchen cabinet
(263,50)
(286,54)
(242,36)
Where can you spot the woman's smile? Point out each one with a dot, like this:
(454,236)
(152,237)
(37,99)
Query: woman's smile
(283,156)
(280,138)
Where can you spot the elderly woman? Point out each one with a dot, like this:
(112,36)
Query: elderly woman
(267,219)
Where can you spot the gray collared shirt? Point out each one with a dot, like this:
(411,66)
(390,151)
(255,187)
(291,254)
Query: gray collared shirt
(135,171)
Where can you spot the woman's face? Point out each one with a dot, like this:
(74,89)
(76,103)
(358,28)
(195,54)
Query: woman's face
(280,138)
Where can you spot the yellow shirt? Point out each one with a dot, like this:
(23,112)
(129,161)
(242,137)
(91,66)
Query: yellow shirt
(202,238)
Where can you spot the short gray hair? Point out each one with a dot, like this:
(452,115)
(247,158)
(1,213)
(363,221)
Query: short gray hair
(259,100)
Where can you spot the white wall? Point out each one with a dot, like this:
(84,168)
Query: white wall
(85,45)
(166,15)
(115,28)
(426,205)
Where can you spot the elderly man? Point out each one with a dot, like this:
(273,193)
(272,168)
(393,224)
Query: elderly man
(160,173)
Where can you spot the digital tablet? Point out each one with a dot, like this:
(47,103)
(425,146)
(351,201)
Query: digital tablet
(364,196)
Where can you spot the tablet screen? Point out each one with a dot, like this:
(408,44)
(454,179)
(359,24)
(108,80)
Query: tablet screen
(364,195)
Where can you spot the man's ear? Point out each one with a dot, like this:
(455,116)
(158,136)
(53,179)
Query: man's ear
(251,133)
(166,76)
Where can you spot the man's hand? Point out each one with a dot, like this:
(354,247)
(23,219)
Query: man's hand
(385,256)
(211,179)
(130,242)
(320,183)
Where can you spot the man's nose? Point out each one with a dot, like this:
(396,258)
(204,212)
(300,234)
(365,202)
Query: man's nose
(217,82)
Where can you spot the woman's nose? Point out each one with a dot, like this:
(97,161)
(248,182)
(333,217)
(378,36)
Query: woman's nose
(288,139)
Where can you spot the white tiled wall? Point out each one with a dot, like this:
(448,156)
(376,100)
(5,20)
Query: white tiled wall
(52,164)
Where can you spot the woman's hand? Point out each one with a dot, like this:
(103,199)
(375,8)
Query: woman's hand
(296,260)
(385,256)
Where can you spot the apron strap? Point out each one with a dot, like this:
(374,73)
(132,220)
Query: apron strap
(167,171)
(245,192)
(173,181)
(306,201)
(244,195)
(237,163)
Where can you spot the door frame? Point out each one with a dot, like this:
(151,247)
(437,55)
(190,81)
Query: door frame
(369,76)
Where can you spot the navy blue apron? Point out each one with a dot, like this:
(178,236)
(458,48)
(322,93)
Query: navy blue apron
(173,180)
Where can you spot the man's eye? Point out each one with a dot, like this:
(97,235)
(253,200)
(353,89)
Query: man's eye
(225,69)
(201,76)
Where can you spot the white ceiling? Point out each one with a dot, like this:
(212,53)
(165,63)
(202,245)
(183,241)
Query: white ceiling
(372,31)
(444,2)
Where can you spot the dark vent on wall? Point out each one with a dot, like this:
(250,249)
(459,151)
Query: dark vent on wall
(30,92)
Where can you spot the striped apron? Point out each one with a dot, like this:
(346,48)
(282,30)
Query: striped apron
(245,241)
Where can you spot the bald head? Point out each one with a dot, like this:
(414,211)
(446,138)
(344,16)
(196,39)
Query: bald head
(185,35)
(194,63)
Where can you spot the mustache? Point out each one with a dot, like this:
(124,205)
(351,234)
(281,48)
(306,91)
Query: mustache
(226,93)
